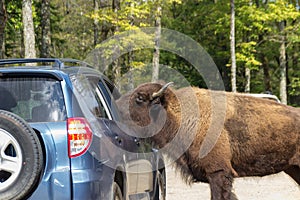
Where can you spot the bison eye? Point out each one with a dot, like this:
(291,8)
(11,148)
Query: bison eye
(140,99)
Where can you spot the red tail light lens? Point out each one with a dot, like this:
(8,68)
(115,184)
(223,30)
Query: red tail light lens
(79,136)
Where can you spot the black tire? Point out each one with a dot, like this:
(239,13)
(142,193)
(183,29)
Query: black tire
(21,157)
(160,191)
(117,192)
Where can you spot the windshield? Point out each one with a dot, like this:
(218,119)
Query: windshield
(34,99)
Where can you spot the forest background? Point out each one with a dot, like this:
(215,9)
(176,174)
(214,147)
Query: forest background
(264,34)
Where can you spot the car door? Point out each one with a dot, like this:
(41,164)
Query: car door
(99,105)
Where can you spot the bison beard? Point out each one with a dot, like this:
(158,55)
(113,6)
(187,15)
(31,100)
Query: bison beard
(258,137)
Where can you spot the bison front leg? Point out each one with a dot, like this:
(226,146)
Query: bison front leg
(221,185)
(294,169)
(294,173)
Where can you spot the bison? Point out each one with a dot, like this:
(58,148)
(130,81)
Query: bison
(257,137)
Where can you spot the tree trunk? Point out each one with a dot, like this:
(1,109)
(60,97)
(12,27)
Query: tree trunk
(282,63)
(232,46)
(116,53)
(155,72)
(267,78)
(129,74)
(3,18)
(248,79)
(295,56)
(29,35)
(104,28)
(96,23)
(46,34)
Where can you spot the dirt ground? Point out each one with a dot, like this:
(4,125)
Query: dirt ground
(275,187)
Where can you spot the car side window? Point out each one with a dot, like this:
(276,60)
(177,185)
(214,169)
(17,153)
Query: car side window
(101,109)
(89,96)
(113,90)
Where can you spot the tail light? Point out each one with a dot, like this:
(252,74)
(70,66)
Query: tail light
(79,136)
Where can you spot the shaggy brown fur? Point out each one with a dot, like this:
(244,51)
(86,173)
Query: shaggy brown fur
(258,137)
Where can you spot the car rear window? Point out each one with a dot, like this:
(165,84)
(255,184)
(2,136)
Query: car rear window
(35,99)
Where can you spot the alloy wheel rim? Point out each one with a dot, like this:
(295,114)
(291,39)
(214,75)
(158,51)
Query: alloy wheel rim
(10,159)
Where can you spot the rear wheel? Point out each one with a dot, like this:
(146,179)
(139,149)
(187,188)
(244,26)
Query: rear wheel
(21,157)
(117,192)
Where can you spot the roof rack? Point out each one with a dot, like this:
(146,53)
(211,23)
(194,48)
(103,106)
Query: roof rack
(58,63)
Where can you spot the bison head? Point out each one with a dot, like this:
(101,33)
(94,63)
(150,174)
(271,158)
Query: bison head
(145,107)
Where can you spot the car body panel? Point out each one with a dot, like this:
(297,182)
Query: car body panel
(56,180)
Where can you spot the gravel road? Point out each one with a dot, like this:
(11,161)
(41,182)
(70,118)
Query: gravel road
(275,187)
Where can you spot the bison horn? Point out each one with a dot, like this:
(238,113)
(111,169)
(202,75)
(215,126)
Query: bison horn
(162,90)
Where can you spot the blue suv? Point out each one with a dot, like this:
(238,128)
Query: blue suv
(60,137)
